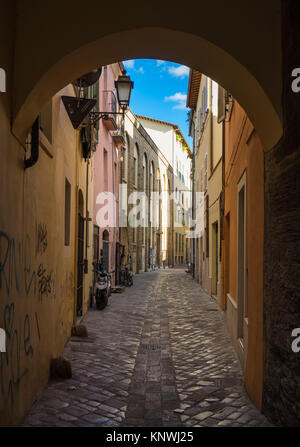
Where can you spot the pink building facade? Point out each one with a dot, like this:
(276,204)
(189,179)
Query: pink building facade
(106,174)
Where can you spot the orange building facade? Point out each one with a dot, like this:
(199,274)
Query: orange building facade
(243,243)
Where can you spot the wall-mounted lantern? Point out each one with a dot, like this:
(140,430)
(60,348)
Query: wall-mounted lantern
(123,85)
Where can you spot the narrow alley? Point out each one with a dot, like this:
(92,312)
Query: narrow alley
(158,355)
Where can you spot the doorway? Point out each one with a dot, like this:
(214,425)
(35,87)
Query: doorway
(242,328)
(80,254)
(227,260)
(215,261)
(105,250)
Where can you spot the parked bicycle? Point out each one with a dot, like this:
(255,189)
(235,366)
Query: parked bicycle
(126,277)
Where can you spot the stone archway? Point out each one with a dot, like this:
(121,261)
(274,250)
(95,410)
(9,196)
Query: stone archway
(248,67)
(47,45)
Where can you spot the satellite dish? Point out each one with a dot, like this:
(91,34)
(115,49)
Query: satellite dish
(89,78)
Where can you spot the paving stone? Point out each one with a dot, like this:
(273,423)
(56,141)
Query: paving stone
(67,417)
(202,416)
(76,411)
(151,353)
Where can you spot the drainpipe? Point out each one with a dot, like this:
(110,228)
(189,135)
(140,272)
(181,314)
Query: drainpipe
(35,141)
(222,217)
(87,218)
(211,130)
(193,210)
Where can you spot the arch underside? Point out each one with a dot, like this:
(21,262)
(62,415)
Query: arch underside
(155,43)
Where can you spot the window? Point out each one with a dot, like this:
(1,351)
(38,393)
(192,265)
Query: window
(116,177)
(221,104)
(92,92)
(135,165)
(145,191)
(145,172)
(67,211)
(151,196)
(205,172)
(126,151)
(158,209)
(122,164)
(105,168)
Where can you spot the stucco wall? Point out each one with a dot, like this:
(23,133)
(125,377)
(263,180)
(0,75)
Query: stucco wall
(244,153)
(37,271)
(111,170)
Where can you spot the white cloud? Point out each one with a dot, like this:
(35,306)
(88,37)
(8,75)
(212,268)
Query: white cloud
(179,72)
(179,98)
(129,63)
(159,62)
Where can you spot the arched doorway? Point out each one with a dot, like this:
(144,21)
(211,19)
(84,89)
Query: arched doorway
(105,250)
(80,253)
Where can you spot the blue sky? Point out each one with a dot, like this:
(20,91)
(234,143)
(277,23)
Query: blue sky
(160,90)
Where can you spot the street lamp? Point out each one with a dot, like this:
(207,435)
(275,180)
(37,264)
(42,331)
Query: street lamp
(79,108)
(123,85)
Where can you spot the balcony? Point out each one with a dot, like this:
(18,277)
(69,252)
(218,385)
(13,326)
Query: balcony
(109,105)
(118,135)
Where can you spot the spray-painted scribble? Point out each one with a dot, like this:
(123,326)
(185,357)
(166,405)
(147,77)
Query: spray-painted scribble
(45,282)
(18,344)
(29,271)
(41,239)
(10,257)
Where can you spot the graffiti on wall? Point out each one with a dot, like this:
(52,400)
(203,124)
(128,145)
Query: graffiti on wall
(23,272)
(46,282)
(19,346)
(38,279)
(41,238)
(10,255)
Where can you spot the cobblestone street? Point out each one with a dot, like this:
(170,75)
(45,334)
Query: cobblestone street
(158,355)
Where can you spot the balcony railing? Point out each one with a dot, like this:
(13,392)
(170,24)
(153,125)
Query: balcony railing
(109,106)
(109,102)
(119,134)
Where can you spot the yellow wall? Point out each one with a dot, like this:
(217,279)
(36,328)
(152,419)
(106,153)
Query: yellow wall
(211,146)
(37,271)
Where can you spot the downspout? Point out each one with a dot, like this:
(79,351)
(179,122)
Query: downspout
(211,130)
(76,232)
(35,141)
(173,185)
(114,241)
(193,210)
(87,218)
(222,217)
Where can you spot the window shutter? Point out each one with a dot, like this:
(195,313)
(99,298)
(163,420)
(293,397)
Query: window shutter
(221,104)
(205,172)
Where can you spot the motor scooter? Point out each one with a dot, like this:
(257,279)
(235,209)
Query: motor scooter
(102,286)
